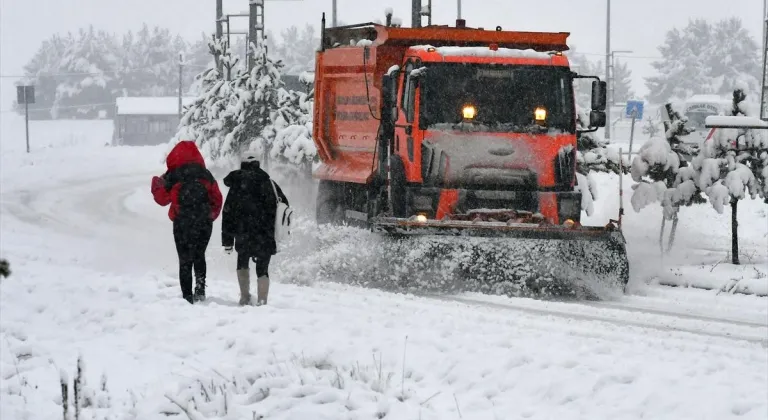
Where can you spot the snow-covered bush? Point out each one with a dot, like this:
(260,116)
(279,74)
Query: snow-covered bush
(734,162)
(662,165)
(730,164)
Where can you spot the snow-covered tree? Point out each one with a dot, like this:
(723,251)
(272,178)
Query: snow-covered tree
(662,173)
(293,127)
(88,83)
(149,63)
(258,99)
(42,71)
(733,163)
(208,119)
(231,116)
(622,76)
(581,64)
(705,58)
(651,127)
(296,49)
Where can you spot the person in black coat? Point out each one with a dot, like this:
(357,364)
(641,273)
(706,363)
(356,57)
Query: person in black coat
(248,224)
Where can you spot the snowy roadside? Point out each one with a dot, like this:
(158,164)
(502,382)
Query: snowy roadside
(700,255)
(343,352)
(322,352)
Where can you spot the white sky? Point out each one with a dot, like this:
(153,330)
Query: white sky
(637,25)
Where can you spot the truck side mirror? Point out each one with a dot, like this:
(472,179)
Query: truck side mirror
(599,96)
(388,97)
(597,119)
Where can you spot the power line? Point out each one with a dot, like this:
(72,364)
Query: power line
(16,76)
(61,107)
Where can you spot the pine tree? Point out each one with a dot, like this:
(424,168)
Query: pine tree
(257,101)
(90,85)
(582,65)
(705,58)
(42,72)
(150,62)
(622,83)
(293,127)
(208,120)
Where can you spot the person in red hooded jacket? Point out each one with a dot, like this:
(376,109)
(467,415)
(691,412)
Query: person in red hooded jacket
(196,202)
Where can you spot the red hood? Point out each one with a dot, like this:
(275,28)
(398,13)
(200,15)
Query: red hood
(184,152)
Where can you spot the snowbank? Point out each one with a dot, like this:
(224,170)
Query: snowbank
(94,274)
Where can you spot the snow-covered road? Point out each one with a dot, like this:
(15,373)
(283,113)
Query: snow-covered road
(94,273)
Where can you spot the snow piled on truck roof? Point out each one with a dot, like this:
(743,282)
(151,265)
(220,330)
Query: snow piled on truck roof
(486,52)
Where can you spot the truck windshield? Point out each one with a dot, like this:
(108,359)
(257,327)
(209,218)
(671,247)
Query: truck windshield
(504,97)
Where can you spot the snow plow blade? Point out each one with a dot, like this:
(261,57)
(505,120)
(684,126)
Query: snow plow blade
(504,258)
(493,229)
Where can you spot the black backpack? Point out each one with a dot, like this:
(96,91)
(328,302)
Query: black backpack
(193,200)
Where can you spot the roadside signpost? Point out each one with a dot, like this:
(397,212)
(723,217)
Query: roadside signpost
(25,95)
(633,110)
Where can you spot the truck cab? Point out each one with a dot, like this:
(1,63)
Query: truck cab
(468,120)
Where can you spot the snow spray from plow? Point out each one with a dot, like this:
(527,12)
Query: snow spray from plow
(552,268)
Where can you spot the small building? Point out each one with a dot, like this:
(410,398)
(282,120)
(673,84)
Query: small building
(698,107)
(144,121)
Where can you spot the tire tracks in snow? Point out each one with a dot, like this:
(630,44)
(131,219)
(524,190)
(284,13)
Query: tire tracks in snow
(635,317)
(96,208)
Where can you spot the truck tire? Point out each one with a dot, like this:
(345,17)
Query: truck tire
(397,187)
(330,203)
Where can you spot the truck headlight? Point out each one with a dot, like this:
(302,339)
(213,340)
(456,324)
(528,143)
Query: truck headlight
(469,112)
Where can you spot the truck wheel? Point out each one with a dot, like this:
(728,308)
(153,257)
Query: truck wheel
(397,187)
(330,203)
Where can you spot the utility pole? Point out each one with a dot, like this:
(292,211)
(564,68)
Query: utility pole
(255,27)
(181,82)
(608,68)
(764,91)
(416,13)
(219,29)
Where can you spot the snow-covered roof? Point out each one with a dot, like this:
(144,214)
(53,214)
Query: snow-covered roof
(486,52)
(723,121)
(150,105)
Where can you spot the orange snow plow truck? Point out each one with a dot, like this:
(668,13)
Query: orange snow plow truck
(454,132)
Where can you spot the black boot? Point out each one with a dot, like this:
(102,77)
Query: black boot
(188,298)
(199,289)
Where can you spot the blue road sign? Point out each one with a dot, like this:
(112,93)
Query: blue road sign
(635,107)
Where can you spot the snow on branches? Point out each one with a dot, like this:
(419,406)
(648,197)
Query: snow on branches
(249,111)
(662,171)
(734,161)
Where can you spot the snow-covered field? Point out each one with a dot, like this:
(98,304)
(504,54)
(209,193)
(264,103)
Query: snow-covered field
(94,275)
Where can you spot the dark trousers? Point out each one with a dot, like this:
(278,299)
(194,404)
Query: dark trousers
(191,239)
(262,263)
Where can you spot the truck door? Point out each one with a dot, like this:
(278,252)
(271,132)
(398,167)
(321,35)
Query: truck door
(407,138)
